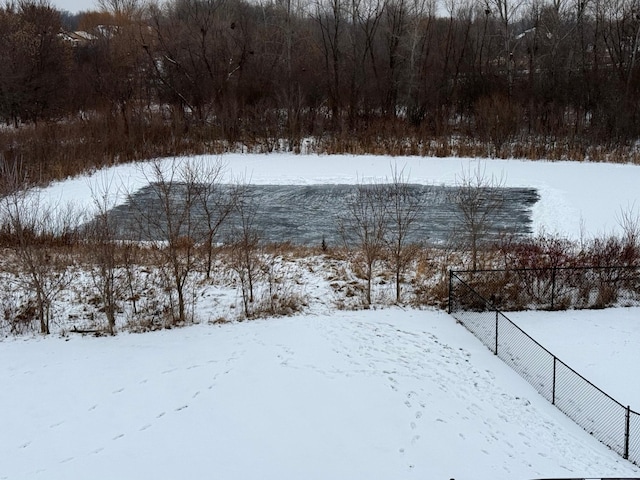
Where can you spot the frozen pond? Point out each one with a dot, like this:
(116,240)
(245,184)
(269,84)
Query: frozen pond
(305,214)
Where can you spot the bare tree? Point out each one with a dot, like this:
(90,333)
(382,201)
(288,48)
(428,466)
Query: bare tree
(329,14)
(41,237)
(12,176)
(629,221)
(364,226)
(507,12)
(218,201)
(173,218)
(117,66)
(420,20)
(35,62)
(404,204)
(199,51)
(122,10)
(108,278)
(245,244)
(477,198)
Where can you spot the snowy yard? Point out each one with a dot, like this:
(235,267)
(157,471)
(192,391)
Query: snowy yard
(378,394)
(601,345)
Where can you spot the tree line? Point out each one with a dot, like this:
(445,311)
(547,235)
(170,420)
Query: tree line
(381,75)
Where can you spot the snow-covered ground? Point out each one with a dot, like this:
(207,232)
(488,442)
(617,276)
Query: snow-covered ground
(370,394)
(600,345)
(377,394)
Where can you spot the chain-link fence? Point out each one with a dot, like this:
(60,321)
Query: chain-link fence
(556,288)
(606,419)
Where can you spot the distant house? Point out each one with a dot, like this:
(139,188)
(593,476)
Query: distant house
(78,38)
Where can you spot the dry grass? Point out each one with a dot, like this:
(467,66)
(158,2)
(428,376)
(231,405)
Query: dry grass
(144,298)
(57,150)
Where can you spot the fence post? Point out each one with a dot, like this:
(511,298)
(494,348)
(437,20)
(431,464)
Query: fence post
(495,352)
(626,433)
(553,287)
(553,388)
(450,287)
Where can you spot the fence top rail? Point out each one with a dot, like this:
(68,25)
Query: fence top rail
(534,269)
(492,308)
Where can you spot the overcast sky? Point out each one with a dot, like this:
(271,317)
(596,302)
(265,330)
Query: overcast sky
(74,6)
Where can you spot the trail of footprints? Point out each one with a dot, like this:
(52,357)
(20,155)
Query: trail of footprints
(416,405)
(159,415)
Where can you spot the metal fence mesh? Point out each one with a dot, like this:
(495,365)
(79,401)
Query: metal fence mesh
(556,288)
(478,310)
(524,355)
(634,437)
(589,407)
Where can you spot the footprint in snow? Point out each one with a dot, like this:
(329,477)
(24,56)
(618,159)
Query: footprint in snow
(181,408)
(145,427)
(117,437)
(393,386)
(161,414)
(120,390)
(54,425)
